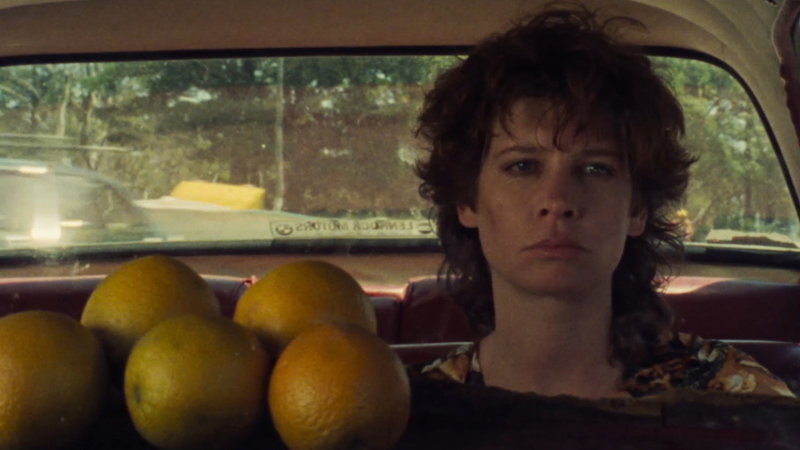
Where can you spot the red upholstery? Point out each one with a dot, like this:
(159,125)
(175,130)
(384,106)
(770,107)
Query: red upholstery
(423,322)
(69,294)
(714,308)
(429,315)
(387,310)
(717,308)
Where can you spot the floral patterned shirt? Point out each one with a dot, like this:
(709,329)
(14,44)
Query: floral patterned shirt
(683,361)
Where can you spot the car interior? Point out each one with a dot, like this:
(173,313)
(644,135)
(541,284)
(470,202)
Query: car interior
(743,292)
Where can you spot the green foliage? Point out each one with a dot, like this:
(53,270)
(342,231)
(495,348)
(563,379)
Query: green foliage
(737,182)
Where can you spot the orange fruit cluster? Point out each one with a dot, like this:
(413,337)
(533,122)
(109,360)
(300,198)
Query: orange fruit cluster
(140,294)
(336,384)
(193,378)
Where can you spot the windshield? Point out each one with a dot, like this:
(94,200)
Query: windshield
(308,148)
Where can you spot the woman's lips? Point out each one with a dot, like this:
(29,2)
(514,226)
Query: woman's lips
(557,248)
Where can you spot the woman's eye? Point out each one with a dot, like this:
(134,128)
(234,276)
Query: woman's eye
(523,166)
(599,169)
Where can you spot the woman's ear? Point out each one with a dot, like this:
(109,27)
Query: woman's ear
(467,216)
(638,223)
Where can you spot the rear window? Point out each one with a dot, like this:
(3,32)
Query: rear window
(321,148)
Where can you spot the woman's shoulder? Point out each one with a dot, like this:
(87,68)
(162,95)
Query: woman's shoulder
(459,364)
(687,361)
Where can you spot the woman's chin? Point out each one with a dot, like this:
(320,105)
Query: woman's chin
(567,284)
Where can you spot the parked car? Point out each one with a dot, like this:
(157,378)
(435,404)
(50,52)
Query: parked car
(44,205)
(314,102)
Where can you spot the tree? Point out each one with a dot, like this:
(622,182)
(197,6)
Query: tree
(737,182)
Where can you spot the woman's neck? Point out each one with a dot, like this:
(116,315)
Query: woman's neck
(550,344)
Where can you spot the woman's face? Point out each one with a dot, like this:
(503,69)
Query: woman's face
(552,221)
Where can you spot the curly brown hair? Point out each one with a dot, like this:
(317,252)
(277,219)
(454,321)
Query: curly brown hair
(569,58)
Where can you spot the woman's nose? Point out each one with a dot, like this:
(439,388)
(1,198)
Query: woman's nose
(558,197)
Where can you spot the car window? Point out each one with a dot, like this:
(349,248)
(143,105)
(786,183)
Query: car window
(737,192)
(321,148)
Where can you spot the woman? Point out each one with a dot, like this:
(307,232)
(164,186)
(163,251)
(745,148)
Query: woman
(555,162)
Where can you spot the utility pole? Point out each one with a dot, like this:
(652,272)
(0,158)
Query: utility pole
(279,115)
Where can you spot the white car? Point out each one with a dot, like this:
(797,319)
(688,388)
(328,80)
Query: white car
(45,205)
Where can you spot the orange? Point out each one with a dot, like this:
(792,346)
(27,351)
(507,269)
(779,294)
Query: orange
(339,387)
(297,296)
(196,382)
(53,380)
(140,294)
